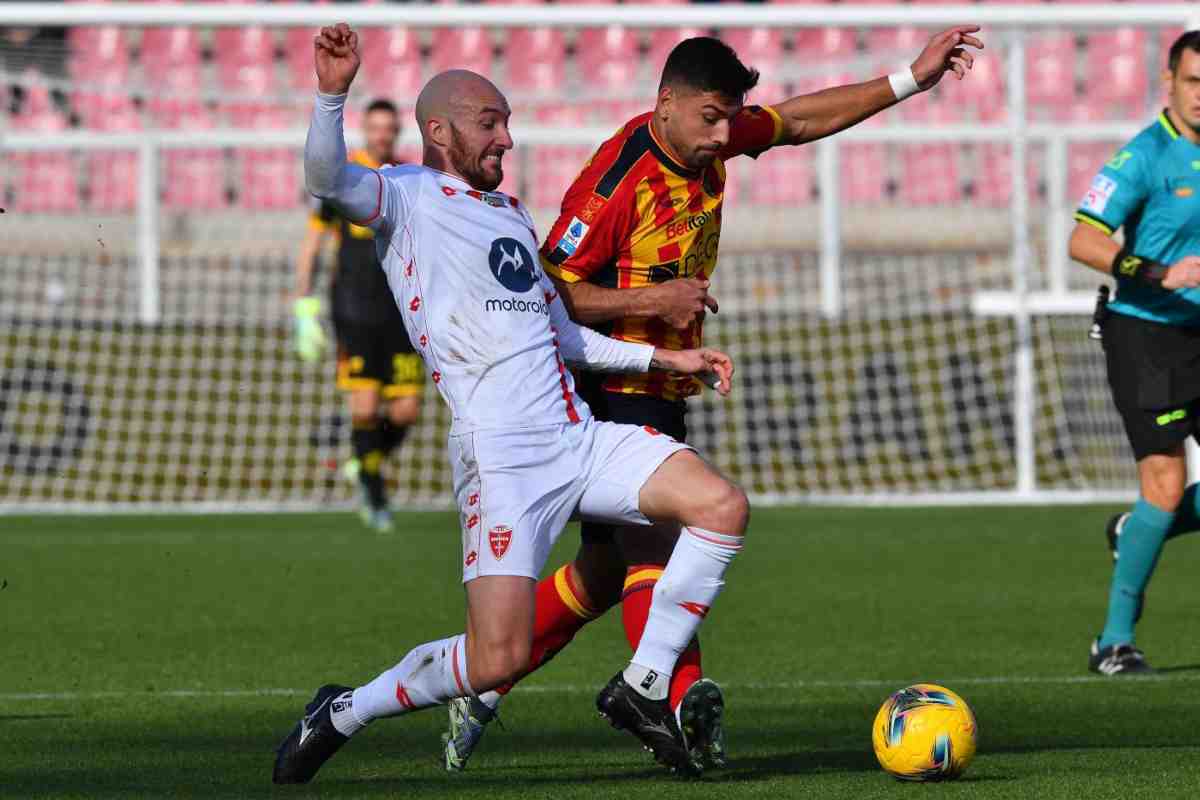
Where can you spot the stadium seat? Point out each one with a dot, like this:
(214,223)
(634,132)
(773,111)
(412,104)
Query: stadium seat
(783,176)
(98,61)
(113,175)
(193,179)
(607,58)
(896,48)
(555,166)
(1050,73)
(1117,72)
(930,173)
(392,63)
(1084,159)
(536,59)
(42,182)
(268,178)
(761,48)
(298,55)
(465,48)
(983,91)
(821,45)
(245,68)
(168,52)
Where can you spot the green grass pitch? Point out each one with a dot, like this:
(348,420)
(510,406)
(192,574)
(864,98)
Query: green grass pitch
(166,656)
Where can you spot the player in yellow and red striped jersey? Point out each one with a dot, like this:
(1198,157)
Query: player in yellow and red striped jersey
(632,253)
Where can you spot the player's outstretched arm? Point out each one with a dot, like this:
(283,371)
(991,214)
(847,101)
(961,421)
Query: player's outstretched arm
(585,348)
(355,190)
(815,116)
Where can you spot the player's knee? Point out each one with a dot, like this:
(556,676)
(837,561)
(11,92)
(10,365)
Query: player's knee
(509,661)
(1164,482)
(1166,493)
(732,509)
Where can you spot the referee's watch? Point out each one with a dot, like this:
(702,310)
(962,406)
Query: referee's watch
(1146,271)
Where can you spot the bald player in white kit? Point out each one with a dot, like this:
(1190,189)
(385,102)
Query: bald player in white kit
(526,453)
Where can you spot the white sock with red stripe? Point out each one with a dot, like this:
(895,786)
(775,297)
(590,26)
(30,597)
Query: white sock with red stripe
(430,675)
(688,587)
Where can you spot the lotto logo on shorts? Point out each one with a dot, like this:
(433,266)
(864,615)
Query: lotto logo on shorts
(415,304)
(472,521)
(473,499)
(472,557)
(424,340)
(499,538)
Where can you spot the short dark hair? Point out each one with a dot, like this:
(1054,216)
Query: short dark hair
(1190,40)
(708,65)
(382,104)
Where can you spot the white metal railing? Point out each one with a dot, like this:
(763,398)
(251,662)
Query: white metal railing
(1019,304)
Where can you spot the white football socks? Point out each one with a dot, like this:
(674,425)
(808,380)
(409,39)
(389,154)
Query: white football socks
(430,675)
(693,578)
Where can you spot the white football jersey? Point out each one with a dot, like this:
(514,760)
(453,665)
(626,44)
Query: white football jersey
(462,265)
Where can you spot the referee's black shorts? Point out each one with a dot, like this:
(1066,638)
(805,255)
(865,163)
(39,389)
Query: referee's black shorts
(1154,375)
(665,416)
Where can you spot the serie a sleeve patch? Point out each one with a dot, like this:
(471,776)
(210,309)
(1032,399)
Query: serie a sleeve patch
(1098,194)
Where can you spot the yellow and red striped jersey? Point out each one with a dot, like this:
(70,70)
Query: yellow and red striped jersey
(634,217)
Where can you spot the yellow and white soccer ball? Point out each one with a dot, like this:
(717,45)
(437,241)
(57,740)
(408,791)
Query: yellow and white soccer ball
(925,733)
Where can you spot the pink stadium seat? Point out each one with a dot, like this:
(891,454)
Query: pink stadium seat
(245,67)
(194,179)
(780,177)
(1117,71)
(896,47)
(929,173)
(1166,38)
(982,92)
(298,54)
(536,59)
(1084,159)
(392,62)
(555,166)
(824,44)
(99,58)
(466,48)
(113,176)
(755,43)
(607,58)
(1050,71)
(168,47)
(43,182)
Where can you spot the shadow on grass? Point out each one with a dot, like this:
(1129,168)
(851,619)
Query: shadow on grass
(1178,668)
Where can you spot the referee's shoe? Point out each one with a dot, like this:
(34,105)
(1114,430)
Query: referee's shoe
(1118,659)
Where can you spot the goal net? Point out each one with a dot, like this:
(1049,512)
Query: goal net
(170,381)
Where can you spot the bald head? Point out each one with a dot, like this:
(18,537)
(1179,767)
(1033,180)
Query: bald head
(454,93)
(464,126)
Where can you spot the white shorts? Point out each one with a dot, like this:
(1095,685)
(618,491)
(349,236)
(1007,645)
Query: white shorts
(517,488)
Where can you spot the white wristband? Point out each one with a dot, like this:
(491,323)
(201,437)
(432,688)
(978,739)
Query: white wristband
(903,84)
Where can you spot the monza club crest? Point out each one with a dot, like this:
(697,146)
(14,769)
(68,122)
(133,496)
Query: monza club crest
(499,538)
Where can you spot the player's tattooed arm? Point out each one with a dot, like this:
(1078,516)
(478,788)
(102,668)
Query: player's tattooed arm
(820,114)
